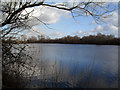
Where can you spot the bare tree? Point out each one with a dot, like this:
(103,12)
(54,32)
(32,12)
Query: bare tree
(14,21)
(14,18)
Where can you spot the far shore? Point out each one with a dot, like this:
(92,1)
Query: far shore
(66,43)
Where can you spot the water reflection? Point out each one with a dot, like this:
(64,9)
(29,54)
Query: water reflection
(83,66)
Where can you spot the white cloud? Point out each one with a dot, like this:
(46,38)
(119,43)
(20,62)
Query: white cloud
(97,29)
(45,14)
(35,31)
(56,34)
(38,30)
(53,15)
(80,33)
(110,27)
(106,29)
(112,19)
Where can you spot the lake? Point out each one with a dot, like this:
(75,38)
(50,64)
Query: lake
(74,65)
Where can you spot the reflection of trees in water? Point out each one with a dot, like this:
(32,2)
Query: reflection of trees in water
(20,69)
(54,74)
(28,69)
(16,66)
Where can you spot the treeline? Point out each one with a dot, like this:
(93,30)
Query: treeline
(99,39)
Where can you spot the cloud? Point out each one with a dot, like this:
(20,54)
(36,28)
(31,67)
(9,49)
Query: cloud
(47,15)
(105,29)
(112,19)
(53,15)
(110,26)
(56,34)
(111,29)
(97,29)
(79,33)
(35,31)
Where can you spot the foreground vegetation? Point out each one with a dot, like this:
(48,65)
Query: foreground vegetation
(16,66)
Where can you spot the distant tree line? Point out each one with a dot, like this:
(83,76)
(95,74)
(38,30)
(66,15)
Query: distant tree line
(99,39)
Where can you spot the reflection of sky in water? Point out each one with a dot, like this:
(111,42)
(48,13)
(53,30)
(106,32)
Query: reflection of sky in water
(100,60)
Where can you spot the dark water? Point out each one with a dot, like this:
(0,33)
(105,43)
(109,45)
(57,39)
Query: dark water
(74,65)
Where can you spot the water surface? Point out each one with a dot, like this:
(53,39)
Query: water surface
(75,65)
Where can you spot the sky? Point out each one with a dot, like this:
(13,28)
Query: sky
(61,23)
